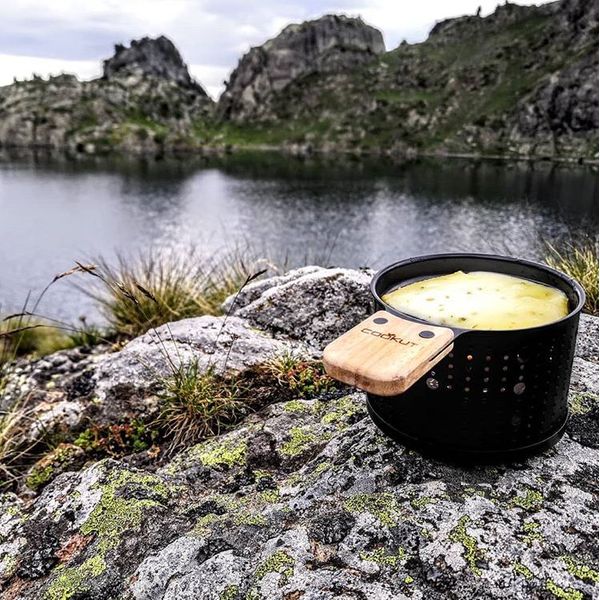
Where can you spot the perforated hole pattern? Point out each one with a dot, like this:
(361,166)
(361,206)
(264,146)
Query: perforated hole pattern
(507,390)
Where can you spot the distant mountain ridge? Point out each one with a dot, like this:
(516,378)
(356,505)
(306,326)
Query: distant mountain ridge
(521,82)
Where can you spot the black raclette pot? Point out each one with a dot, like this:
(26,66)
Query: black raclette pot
(479,395)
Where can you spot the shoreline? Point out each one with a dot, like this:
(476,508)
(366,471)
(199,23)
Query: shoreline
(296,152)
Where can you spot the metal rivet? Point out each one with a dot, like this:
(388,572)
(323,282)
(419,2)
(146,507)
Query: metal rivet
(432,384)
(380,320)
(519,388)
(426,334)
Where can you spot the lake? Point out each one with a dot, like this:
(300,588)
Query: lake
(345,212)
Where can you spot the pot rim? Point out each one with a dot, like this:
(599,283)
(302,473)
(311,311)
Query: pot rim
(575,285)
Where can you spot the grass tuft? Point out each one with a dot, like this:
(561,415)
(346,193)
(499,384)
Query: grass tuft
(198,404)
(579,260)
(160,286)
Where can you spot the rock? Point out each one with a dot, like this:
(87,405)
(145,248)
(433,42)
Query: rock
(305,498)
(150,57)
(324,303)
(331,44)
(223,344)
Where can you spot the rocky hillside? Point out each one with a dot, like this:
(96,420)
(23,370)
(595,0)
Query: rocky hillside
(332,44)
(146,102)
(304,498)
(522,81)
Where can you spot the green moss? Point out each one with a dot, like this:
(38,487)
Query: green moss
(523,570)
(532,500)
(248,518)
(270,496)
(114,514)
(579,570)
(472,551)
(223,452)
(531,532)
(581,404)
(296,406)
(382,558)
(408,579)
(321,468)
(74,580)
(343,409)
(299,441)
(422,502)
(383,506)
(568,594)
(230,593)
(279,562)
(202,524)
(39,476)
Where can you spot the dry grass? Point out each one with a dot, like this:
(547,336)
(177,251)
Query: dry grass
(579,260)
(160,286)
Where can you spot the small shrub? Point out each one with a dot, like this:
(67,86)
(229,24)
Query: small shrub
(117,440)
(197,404)
(303,377)
(579,260)
(162,286)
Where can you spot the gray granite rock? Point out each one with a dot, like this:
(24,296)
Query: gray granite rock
(311,305)
(306,498)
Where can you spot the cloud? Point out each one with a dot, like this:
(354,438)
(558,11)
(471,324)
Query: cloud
(71,35)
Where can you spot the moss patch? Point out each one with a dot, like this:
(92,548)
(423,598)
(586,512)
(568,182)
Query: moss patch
(300,440)
(278,562)
(342,410)
(230,593)
(580,571)
(382,558)
(112,516)
(522,570)
(531,500)
(74,580)
(383,506)
(472,551)
(223,453)
(568,594)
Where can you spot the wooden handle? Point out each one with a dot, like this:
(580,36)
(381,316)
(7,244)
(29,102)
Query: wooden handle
(385,355)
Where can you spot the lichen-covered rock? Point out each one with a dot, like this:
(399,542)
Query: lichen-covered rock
(306,498)
(311,305)
(220,343)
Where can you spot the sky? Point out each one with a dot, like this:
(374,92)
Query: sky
(74,36)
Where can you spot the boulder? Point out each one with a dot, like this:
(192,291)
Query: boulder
(305,498)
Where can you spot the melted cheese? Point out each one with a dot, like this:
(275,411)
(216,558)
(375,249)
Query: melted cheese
(480,300)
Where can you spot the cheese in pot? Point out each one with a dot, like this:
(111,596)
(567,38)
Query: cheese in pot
(480,300)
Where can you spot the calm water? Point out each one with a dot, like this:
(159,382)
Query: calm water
(348,214)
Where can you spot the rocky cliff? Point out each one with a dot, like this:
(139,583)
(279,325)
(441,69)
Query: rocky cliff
(303,498)
(146,102)
(150,58)
(521,82)
(331,44)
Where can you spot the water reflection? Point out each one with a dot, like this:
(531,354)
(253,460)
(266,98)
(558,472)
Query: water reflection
(352,213)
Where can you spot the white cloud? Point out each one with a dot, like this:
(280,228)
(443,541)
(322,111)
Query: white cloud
(75,35)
